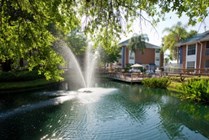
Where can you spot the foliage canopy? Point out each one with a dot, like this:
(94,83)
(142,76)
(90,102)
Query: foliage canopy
(77,41)
(109,55)
(28,28)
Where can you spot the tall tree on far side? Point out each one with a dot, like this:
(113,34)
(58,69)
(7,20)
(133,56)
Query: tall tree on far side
(138,42)
(175,34)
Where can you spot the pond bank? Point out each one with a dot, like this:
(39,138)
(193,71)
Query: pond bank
(27,86)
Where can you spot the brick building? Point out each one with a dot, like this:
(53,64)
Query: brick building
(151,58)
(194,52)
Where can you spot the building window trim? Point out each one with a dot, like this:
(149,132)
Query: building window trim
(131,57)
(191,49)
(157,50)
(206,63)
(207,48)
(191,57)
(190,64)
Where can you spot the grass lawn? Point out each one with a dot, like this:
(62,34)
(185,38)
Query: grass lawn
(24,84)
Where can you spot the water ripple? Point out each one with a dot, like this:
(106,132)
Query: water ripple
(102,115)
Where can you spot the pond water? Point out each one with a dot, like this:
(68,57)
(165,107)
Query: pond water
(114,111)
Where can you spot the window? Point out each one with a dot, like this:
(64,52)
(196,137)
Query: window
(207,64)
(207,44)
(190,64)
(191,49)
(131,55)
(207,49)
(157,50)
(180,54)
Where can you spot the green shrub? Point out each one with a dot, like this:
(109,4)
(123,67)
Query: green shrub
(156,82)
(127,68)
(28,75)
(177,79)
(196,90)
(19,76)
(7,76)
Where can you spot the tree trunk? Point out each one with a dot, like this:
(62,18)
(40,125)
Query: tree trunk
(6,66)
(21,62)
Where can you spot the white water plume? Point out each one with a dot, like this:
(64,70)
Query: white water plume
(91,58)
(91,61)
(72,63)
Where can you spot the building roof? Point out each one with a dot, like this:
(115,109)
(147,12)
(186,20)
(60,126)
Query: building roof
(148,45)
(197,38)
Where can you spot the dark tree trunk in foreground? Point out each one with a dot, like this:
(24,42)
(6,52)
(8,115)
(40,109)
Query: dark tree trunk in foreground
(6,66)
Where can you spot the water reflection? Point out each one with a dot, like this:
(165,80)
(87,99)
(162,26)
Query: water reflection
(131,112)
(185,116)
(177,118)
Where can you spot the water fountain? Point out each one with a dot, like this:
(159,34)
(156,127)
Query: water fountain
(110,111)
(77,76)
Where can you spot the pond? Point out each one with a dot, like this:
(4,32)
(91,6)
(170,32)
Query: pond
(112,111)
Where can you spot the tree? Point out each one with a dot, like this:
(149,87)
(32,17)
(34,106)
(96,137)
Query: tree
(168,58)
(197,11)
(110,55)
(29,28)
(138,42)
(77,41)
(176,33)
(27,32)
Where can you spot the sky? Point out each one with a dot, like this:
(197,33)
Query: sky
(155,34)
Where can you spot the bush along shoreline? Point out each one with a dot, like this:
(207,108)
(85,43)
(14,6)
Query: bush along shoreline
(155,82)
(21,81)
(194,89)
(15,76)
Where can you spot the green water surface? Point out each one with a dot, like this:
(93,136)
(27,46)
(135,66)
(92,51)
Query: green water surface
(114,112)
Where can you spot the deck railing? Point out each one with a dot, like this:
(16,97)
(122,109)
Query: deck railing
(204,71)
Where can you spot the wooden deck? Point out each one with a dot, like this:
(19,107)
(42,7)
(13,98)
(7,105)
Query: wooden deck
(137,78)
(182,74)
(127,77)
